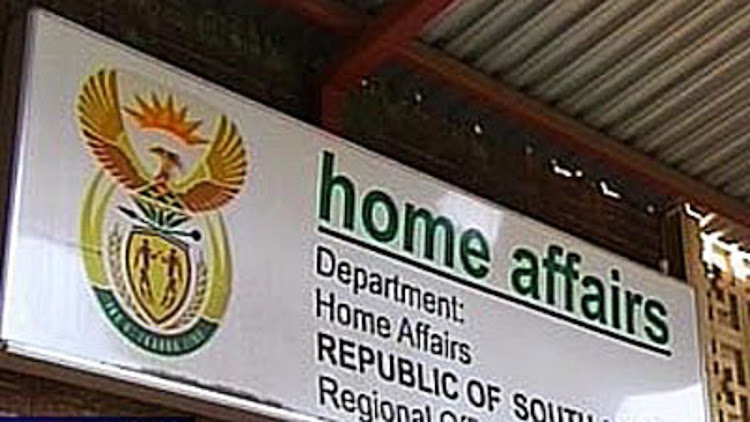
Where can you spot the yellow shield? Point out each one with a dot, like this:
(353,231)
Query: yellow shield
(158,269)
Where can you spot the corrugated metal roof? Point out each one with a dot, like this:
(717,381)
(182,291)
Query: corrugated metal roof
(669,78)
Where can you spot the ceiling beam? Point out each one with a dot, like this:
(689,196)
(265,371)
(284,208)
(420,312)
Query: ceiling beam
(567,132)
(331,15)
(534,115)
(380,40)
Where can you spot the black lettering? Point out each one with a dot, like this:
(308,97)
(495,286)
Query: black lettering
(328,387)
(519,405)
(326,348)
(323,257)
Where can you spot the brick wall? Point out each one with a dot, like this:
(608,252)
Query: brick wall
(23,395)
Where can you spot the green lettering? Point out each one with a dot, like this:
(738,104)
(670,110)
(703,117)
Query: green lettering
(327,182)
(656,315)
(431,226)
(475,254)
(390,228)
(525,277)
(593,303)
(632,302)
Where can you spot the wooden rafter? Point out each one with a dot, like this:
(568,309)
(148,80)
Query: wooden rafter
(380,40)
(330,15)
(567,132)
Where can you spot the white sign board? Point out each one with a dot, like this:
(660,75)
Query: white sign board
(169,231)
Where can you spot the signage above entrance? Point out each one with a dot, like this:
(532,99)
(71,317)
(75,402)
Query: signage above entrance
(167,231)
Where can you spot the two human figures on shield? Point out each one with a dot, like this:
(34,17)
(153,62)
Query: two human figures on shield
(145,257)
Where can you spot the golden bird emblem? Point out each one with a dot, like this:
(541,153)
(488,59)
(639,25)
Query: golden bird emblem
(211,183)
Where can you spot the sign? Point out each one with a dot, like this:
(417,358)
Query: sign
(174,234)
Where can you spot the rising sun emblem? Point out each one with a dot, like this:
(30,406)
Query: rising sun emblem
(154,244)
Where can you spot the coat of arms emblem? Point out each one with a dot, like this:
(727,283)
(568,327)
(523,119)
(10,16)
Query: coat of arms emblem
(154,243)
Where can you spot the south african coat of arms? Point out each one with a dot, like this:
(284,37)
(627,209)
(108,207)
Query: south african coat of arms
(154,243)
